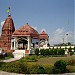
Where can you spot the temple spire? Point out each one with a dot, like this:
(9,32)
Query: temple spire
(8,11)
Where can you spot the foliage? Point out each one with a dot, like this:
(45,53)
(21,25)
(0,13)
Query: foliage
(1,56)
(60,66)
(70,49)
(74,49)
(56,70)
(37,69)
(16,67)
(46,52)
(30,58)
(71,53)
(70,68)
(37,51)
(61,51)
(71,62)
(51,52)
(42,52)
(9,55)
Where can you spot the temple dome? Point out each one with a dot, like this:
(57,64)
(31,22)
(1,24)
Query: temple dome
(8,24)
(43,35)
(26,30)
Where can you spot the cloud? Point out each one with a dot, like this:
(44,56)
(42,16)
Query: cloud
(1,24)
(59,36)
(35,27)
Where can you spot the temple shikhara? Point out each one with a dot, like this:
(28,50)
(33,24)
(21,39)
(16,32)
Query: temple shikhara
(23,40)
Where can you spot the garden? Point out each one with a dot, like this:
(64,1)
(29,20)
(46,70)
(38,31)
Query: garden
(44,61)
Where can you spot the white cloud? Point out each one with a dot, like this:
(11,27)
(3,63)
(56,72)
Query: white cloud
(1,24)
(59,31)
(59,35)
(35,27)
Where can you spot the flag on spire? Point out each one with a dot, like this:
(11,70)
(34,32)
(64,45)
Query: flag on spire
(8,11)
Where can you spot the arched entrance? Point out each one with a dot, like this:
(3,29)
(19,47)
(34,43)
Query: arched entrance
(22,43)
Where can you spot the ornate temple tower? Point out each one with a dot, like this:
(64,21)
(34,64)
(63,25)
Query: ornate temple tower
(7,30)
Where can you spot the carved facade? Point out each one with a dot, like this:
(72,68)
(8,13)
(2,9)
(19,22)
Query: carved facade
(22,38)
(7,30)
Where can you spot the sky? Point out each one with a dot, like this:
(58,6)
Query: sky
(56,17)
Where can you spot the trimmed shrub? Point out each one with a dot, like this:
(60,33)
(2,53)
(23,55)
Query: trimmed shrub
(51,52)
(46,52)
(61,51)
(37,69)
(61,65)
(70,49)
(42,52)
(71,53)
(56,71)
(55,51)
(16,67)
(37,51)
(48,68)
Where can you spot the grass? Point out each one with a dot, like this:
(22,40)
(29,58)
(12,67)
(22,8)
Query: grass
(51,60)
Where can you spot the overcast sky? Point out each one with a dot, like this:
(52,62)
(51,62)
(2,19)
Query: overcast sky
(56,17)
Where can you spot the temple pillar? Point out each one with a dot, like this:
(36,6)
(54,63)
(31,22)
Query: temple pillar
(14,44)
(46,42)
(29,43)
(38,43)
(11,45)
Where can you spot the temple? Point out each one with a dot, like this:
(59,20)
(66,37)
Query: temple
(22,40)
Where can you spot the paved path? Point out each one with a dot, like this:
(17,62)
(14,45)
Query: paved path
(11,59)
(7,73)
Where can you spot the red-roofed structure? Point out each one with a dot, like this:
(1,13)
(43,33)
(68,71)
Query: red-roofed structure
(22,40)
(7,30)
(43,35)
(25,31)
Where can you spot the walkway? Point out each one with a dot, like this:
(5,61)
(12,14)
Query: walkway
(11,59)
(7,73)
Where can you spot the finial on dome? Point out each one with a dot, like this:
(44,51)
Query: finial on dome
(26,23)
(8,11)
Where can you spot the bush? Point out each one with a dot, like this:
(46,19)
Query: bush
(16,67)
(10,55)
(31,58)
(37,69)
(1,56)
(55,51)
(61,51)
(51,52)
(71,69)
(71,62)
(61,65)
(42,51)
(37,51)
(46,52)
(56,71)
(71,53)
(48,68)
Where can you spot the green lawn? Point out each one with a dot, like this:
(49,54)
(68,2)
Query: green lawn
(51,60)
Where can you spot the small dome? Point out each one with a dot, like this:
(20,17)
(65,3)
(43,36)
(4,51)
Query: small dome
(26,30)
(8,24)
(43,35)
